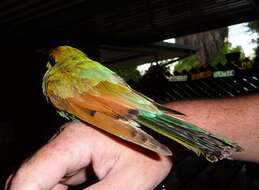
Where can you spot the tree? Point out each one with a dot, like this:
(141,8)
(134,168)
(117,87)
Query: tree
(207,43)
(254,27)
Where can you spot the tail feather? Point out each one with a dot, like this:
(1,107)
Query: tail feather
(214,148)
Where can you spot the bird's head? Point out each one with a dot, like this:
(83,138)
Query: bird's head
(58,58)
(62,54)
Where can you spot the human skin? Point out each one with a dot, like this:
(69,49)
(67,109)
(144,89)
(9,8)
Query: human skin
(64,160)
(119,164)
(236,119)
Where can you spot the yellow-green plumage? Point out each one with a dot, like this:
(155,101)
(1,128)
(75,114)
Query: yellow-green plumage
(82,88)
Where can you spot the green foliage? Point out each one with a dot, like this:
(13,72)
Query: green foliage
(227,48)
(220,56)
(193,62)
(253,26)
(237,49)
(128,74)
(187,63)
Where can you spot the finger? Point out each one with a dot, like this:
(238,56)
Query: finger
(75,179)
(123,180)
(50,164)
(146,173)
(60,187)
(8,181)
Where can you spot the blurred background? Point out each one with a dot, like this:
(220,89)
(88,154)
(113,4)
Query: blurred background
(170,50)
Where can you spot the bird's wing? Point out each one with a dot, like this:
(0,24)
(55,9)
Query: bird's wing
(90,78)
(89,109)
(120,127)
(98,84)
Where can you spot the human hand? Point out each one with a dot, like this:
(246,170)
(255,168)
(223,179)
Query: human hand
(64,162)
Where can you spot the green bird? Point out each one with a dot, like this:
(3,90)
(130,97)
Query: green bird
(83,89)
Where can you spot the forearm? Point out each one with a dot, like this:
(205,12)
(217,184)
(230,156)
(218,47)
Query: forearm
(236,119)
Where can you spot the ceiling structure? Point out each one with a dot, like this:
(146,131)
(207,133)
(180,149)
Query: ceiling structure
(130,56)
(115,27)
(41,22)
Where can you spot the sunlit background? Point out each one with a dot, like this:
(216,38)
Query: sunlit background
(239,35)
